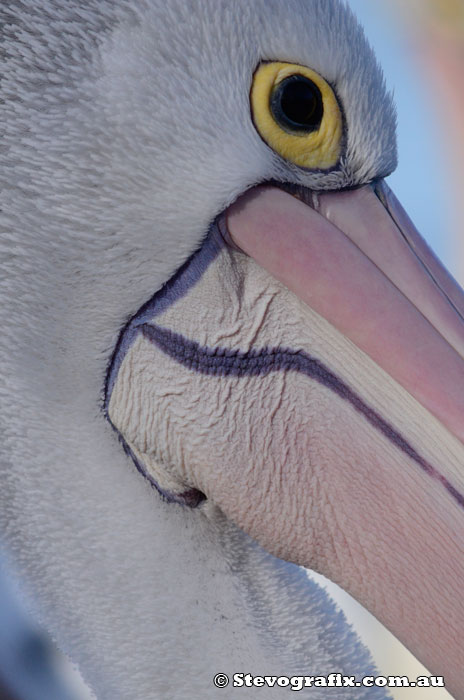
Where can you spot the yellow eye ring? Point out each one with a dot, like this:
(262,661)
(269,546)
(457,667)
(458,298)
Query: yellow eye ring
(316,145)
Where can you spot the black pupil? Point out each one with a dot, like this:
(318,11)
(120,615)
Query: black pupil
(296,104)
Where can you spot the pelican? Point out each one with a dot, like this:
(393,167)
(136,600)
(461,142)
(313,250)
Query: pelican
(207,277)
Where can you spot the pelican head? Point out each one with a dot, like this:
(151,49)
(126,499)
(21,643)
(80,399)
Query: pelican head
(207,269)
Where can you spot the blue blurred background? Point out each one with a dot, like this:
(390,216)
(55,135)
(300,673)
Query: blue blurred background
(420,44)
(409,38)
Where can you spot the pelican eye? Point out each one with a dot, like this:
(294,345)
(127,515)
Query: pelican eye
(296,112)
(296,104)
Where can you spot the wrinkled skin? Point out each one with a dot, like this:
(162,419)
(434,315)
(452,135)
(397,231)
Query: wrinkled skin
(292,457)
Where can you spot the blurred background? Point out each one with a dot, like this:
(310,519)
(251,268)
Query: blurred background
(420,44)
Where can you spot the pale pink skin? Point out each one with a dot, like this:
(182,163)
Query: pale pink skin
(402,554)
